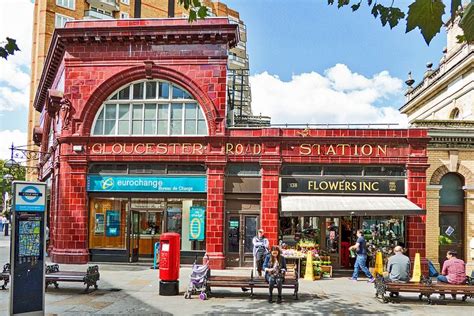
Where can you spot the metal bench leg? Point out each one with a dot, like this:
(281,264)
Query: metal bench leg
(251,290)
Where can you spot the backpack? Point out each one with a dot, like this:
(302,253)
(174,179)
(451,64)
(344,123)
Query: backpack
(432,270)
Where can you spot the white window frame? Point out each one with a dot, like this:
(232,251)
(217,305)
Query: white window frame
(126,2)
(124,15)
(60,3)
(61,16)
(157,101)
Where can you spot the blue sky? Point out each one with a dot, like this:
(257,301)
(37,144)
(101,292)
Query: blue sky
(310,63)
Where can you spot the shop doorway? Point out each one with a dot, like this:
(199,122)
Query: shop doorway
(240,230)
(451,216)
(134,236)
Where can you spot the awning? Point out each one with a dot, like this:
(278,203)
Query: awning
(348,205)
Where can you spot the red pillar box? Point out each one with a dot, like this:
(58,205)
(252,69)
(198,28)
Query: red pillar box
(169,264)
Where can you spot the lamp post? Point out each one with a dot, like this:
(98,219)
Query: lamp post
(8,178)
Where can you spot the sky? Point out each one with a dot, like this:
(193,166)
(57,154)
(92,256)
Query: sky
(309,63)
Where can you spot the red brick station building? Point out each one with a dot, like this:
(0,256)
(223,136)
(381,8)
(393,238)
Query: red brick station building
(136,142)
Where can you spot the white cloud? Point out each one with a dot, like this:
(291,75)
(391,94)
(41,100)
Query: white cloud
(7,137)
(338,96)
(16,21)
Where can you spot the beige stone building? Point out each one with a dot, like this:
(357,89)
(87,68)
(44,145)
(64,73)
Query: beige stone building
(444,103)
(51,14)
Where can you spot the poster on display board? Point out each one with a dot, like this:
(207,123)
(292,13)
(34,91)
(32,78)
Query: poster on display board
(112,223)
(197,219)
(99,224)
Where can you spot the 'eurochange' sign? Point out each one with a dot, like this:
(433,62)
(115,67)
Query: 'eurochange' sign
(190,184)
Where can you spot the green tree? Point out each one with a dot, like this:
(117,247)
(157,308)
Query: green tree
(8,47)
(18,173)
(426,15)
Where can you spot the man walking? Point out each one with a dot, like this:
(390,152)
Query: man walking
(360,263)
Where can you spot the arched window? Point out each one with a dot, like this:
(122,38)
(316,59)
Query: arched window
(451,192)
(150,108)
(455,114)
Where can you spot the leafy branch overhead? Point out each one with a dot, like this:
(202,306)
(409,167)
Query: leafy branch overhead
(426,15)
(8,48)
(195,8)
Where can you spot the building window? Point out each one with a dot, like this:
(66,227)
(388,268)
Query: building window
(124,15)
(69,4)
(150,108)
(127,2)
(101,11)
(455,114)
(60,20)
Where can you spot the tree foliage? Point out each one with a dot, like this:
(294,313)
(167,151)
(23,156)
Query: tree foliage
(426,15)
(18,173)
(8,48)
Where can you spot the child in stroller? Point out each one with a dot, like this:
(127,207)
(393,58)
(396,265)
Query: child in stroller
(198,279)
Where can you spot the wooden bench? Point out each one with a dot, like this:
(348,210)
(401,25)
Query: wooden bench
(89,278)
(291,282)
(423,288)
(5,275)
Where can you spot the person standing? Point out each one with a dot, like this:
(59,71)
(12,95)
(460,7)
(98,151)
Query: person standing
(361,259)
(6,225)
(275,269)
(1,223)
(260,250)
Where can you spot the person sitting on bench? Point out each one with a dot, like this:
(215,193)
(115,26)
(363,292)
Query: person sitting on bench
(454,269)
(398,268)
(275,268)
(453,272)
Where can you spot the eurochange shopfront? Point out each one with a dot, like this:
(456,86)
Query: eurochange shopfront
(142,147)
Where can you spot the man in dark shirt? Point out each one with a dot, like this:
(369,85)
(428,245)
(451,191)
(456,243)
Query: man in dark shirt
(360,263)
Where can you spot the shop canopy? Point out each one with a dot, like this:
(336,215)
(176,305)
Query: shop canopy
(347,205)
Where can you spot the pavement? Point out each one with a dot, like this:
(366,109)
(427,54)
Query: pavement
(132,289)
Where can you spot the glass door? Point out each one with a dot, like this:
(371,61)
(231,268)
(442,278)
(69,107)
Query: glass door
(250,231)
(451,234)
(233,240)
(240,230)
(134,236)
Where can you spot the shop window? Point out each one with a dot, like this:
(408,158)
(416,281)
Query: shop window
(179,221)
(390,171)
(294,230)
(451,192)
(150,108)
(107,223)
(186,169)
(108,169)
(342,171)
(303,170)
(243,170)
(383,233)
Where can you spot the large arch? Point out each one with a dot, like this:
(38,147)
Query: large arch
(461,170)
(103,91)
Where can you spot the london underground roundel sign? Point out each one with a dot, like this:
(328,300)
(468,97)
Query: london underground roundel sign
(29,196)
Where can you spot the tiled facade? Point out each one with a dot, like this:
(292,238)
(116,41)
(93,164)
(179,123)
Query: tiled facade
(44,24)
(93,64)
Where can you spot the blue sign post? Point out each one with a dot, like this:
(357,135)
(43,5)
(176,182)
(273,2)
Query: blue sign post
(197,218)
(28,248)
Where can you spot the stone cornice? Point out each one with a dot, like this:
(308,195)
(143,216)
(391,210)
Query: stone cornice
(444,124)
(153,31)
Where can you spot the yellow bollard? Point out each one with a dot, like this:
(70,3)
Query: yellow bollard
(378,264)
(416,276)
(309,275)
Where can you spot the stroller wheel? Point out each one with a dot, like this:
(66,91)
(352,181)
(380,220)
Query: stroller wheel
(187,295)
(203,296)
